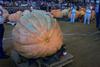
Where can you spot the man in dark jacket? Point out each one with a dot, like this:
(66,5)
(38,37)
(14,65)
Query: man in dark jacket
(98,15)
(2,54)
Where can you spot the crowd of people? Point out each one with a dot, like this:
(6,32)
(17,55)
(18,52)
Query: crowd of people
(86,16)
(89,9)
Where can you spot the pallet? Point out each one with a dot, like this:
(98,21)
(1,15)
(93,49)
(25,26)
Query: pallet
(62,61)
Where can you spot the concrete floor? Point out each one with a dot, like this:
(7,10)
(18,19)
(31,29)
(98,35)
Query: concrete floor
(86,50)
(82,41)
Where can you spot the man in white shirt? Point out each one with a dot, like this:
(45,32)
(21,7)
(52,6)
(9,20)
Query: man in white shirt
(87,16)
(73,14)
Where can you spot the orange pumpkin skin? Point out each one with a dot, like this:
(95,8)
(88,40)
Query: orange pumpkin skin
(19,13)
(82,9)
(82,13)
(15,16)
(57,13)
(41,41)
(65,12)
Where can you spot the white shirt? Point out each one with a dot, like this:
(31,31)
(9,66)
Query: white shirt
(88,11)
(73,11)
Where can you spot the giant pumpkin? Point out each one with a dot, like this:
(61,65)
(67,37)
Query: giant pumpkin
(15,16)
(26,12)
(57,13)
(37,35)
(82,9)
(65,12)
(19,13)
(82,13)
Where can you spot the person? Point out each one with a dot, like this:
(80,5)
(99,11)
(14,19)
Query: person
(97,10)
(2,54)
(73,14)
(87,16)
(43,6)
(31,8)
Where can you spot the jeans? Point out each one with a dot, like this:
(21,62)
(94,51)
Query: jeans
(72,18)
(87,18)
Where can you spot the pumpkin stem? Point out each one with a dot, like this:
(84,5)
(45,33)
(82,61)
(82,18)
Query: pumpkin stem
(47,39)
